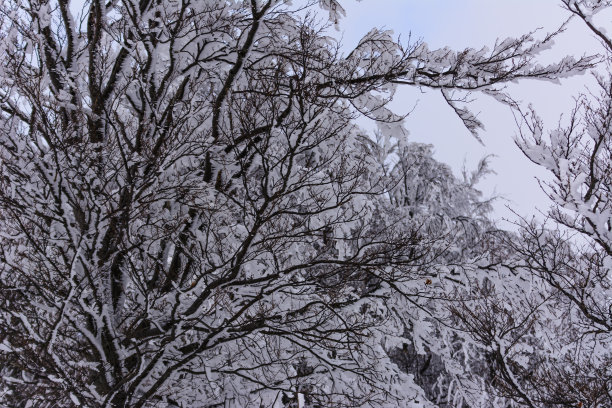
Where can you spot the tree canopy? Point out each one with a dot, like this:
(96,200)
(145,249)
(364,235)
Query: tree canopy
(190,216)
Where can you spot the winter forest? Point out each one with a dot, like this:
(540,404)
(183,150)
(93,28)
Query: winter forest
(192,214)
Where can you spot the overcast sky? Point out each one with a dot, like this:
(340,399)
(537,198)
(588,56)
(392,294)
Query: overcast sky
(476,23)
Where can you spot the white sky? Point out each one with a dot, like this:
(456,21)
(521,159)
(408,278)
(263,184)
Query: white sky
(476,23)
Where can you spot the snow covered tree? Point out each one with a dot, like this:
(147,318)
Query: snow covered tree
(543,310)
(189,215)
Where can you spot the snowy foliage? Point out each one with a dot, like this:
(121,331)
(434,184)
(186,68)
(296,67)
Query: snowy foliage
(189,216)
(551,333)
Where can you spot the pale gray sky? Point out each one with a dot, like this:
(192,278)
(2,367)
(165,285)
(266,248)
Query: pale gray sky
(476,23)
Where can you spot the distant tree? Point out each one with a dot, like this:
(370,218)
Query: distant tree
(431,347)
(189,215)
